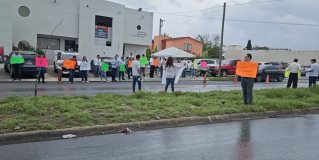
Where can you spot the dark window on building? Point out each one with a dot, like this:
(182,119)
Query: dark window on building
(48,43)
(187,47)
(139,27)
(70,45)
(103,26)
(103,21)
(108,43)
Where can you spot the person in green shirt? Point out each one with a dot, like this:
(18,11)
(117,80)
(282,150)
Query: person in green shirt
(143,63)
(16,61)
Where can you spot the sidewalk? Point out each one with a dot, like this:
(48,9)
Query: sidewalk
(51,76)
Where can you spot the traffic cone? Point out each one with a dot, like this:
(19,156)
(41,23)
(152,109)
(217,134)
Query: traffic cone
(205,80)
(267,79)
(235,80)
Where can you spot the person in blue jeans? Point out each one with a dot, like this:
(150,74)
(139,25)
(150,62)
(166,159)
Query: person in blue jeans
(136,72)
(84,71)
(97,64)
(114,66)
(170,70)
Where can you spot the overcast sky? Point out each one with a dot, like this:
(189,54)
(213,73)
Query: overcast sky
(296,37)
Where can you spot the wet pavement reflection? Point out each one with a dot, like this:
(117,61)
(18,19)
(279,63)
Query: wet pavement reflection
(294,138)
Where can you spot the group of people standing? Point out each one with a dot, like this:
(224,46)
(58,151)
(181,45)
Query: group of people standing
(168,68)
(294,69)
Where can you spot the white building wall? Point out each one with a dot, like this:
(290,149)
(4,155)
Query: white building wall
(44,16)
(6,26)
(88,44)
(132,35)
(77,18)
(134,49)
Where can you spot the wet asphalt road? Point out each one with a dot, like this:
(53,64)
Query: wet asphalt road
(93,88)
(268,139)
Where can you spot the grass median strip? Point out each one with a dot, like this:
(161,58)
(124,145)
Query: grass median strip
(19,114)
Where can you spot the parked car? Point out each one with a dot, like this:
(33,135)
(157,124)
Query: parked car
(27,68)
(262,65)
(105,59)
(67,55)
(1,60)
(211,63)
(274,72)
(280,64)
(228,68)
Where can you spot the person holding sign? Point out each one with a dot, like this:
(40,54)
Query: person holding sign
(122,69)
(104,68)
(294,68)
(84,67)
(16,61)
(41,64)
(70,64)
(171,73)
(248,71)
(203,67)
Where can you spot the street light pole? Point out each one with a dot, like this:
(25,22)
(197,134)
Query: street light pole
(221,43)
(159,35)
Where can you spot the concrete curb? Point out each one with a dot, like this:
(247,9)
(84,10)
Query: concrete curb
(24,137)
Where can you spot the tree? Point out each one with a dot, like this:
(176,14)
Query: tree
(211,46)
(260,48)
(249,46)
(27,47)
(148,53)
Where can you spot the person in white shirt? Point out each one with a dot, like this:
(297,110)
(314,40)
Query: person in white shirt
(97,64)
(170,70)
(136,69)
(313,73)
(293,68)
(114,66)
(58,65)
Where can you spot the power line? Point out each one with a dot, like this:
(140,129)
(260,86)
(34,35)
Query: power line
(221,6)
(249,21)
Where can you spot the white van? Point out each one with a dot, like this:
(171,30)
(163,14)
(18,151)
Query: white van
(67,55)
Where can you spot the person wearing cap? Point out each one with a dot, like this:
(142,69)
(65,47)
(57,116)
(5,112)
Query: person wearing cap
(313,73)
(293,68)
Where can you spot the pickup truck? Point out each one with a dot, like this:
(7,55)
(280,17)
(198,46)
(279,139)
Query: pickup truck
(228,67)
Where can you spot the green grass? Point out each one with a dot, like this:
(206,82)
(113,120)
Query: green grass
(46,113)
(221,78)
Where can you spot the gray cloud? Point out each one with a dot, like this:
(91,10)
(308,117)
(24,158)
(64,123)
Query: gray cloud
(272,35)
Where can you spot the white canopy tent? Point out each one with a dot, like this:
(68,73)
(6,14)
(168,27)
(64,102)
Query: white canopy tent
(173,52)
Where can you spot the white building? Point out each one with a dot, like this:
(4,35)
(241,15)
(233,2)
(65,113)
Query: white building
(90,27)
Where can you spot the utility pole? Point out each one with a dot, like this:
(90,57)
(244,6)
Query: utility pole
(221,43)
(159,35)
